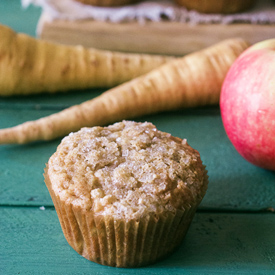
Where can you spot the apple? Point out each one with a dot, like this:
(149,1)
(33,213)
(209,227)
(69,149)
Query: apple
(247,104)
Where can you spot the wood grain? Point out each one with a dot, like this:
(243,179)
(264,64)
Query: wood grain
(171,38)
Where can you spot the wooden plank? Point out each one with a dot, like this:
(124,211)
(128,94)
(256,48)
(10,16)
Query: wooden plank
(21,167)
(31,242)
(171,38)
(234,183)
(56,101)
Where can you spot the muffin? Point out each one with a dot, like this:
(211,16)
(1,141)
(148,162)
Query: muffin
(125,194)
(107,3)
(217,6)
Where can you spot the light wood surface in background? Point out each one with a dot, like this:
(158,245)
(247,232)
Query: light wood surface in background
(170,38)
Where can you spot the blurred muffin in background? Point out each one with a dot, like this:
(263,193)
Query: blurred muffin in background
(107,3)
(217,6)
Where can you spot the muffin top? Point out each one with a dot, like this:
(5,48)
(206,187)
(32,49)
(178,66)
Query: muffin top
(127,170)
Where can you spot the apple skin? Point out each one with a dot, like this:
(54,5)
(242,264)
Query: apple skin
(247,104)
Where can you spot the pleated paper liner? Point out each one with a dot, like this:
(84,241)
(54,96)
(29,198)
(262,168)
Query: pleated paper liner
(118,242)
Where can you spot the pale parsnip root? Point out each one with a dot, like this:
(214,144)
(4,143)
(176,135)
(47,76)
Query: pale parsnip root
(194,80)
(30,66)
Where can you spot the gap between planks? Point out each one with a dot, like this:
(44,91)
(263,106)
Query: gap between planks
(269,210)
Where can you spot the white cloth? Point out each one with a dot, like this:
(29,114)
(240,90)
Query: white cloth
(158,10)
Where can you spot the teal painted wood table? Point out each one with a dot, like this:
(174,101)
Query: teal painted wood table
(233,231)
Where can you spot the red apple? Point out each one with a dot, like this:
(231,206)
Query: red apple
(248,104)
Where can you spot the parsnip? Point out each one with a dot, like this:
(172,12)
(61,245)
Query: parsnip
(194,80)
(29,65)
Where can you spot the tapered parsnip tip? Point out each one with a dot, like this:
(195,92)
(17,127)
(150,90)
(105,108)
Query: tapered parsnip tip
(9,136)
(21,134)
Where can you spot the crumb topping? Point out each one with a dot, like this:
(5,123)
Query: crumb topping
(127,170)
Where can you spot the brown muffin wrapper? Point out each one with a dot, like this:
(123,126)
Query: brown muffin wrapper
(121,243)
(217,6)
(107,3)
